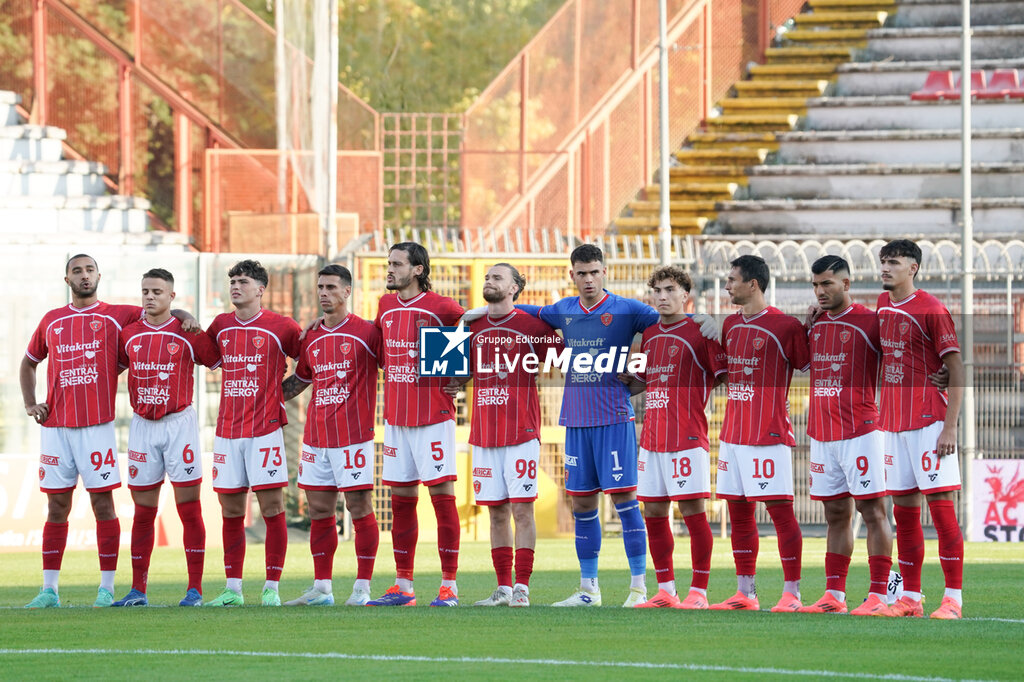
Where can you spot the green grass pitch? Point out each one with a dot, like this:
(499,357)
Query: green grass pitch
(253,643)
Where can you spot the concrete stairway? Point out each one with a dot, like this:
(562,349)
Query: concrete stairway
(45,198)
(824,139)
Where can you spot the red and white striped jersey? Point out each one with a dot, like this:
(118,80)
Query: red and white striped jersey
(341,362)
(845,354)
(681,370)
(506,409)
(915,333)
(81,377)
(254,356)
(408,399)
(161,361)
(763,351)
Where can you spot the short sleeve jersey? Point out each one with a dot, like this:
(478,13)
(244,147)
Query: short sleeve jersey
(341,362)
(161,360)
(506,409)
(915,334)
(845,354)
(254,356)
(82,347)
(763,351)
(597,397)
(411,400)
(681,369)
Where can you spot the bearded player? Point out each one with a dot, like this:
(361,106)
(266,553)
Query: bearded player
(505,428)
(339,357)
(248,450)
(847,465)
(164,436)
(419,424)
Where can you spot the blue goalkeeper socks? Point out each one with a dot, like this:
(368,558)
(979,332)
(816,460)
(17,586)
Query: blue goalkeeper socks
(634,536)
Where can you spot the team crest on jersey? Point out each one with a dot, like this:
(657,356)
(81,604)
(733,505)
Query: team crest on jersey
(258,341)
(606,319)
(346,348)
(758,343)
(673,351)
(133,471)
(173,348)
(509,343)
(42,473)
(476,487)
(215,473)
(845,336)
(904,327)
(95,325)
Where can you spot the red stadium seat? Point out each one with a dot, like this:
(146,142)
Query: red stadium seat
(1004,84)
(977,85)
(937,86)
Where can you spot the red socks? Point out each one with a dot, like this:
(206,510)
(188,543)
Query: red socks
(448,532)
(659,537)
(55,539)
(194,539)
(233,535)
(276,545)
(951,542)
(143,538)
(743,537)
(501,557)
(524,565)
(879,566)
(323,543)
(701,544)
(837,566)
(791,541)
(108,540)
(367,538)
(909,545)
(405,532)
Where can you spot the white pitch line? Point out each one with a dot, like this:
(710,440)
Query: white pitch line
(694,667)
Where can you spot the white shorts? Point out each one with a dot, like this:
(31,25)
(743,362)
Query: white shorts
(339,469)
(854,467)
(69,452)
(754,472)
(911,464)
(664,476)
(168,445)
(506,474)
(419,454)
(242,463)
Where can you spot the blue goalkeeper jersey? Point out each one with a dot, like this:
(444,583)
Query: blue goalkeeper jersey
(597,398)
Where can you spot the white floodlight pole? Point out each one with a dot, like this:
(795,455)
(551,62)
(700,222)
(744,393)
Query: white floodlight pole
(664,217)
(967,249)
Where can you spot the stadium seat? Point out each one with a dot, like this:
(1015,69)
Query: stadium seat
(1003,84)
(937,86)
(977,85)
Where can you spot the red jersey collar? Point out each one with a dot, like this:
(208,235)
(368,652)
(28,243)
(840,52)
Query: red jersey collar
(251,319)
(82,310)
(753,317)
(412,300)
(677,325)
(836,317)
(323,325)
(157,327)
(899,303)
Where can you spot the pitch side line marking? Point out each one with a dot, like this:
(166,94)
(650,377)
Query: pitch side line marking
(482,660)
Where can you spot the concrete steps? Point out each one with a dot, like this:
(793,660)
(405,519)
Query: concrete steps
(8,113)
(947,13)
(933,43)
(882,181)
(903,78)
(19,178)
(893,112)
(31,143)
(852,5)
(999,145)
(993,217)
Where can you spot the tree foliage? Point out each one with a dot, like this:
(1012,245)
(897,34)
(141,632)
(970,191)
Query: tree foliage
(428,55)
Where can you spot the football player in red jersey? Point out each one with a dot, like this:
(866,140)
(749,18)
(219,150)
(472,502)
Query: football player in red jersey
(847,467)
(419,424)
(248,450)
(755,459)
(339,358)
(164,435)
(77,419)
(920,424)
